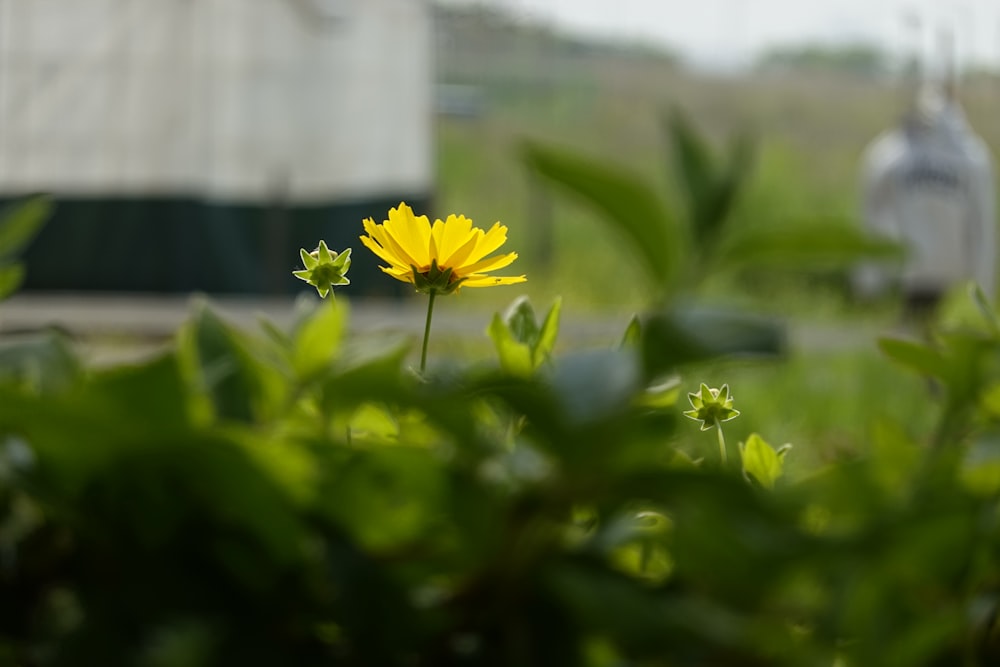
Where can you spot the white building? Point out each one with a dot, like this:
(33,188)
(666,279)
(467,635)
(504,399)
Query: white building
(230,131)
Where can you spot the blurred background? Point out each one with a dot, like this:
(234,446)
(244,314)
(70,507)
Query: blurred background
(197,145)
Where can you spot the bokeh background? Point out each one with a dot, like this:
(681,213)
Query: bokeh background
(198,145)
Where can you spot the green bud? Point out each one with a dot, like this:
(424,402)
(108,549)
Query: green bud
(325,268)
(711,406)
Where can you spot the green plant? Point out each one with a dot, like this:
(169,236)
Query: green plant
(680,251)
(300,496)
(19,224)
(207,507)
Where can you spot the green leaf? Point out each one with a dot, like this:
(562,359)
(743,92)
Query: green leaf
(916,356)
(547,337)
(11,277)
(806,246)
(591,385)
(634,209)
(692,161)
(521,345)
(711,190)
(985,308)
(633,333)
(317,338)
(368,370)
(894,457)
(152,393)
(761,461)
(279,339)
(20,222)
(730,184)
(220,363)
(373,423)
(687,335)
(990,401)
(520,318)
(44,363)
(980,471)
(385,497)
(663,394)
(515,356)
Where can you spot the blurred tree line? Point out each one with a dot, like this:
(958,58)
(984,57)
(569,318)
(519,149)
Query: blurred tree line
(857,59)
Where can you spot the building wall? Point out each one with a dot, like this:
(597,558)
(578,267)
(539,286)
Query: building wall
(229,99)
(198,144)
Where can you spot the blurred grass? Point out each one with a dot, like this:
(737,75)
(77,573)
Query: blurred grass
(812,130)
(824,403)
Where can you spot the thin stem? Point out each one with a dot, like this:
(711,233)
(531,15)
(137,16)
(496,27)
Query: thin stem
(722,443)
(427,331)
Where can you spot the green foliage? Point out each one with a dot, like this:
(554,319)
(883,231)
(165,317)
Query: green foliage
(302,497)
(19,224)
(711,188)
(688,334)
(522,345)
(806,246)
(638,213)
(680,251)
(761,462)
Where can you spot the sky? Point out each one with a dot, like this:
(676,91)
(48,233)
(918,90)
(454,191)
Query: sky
(730,33)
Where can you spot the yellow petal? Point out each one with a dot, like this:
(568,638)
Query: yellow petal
(384,255)
(455,233)
(461,255)
(422,230)
(490,281)
(392,244)
(489,242)
(489,264)
(405,277)
(411,233)
(432,248)
(370,226)
(437,238)
(397,226)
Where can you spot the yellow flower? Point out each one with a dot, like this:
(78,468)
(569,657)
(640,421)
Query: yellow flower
(438,258)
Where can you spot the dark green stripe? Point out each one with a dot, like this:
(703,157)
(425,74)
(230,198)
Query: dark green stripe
(181,245)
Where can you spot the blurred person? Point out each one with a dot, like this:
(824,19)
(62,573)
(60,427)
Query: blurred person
(928,184)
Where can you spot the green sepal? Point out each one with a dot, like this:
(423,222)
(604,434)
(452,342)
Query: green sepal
(324,253)
(435,280)
(711,406)
(325,268)
(308,260)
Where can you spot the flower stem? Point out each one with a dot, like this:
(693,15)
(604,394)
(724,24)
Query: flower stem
(427,331)
(722,443)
